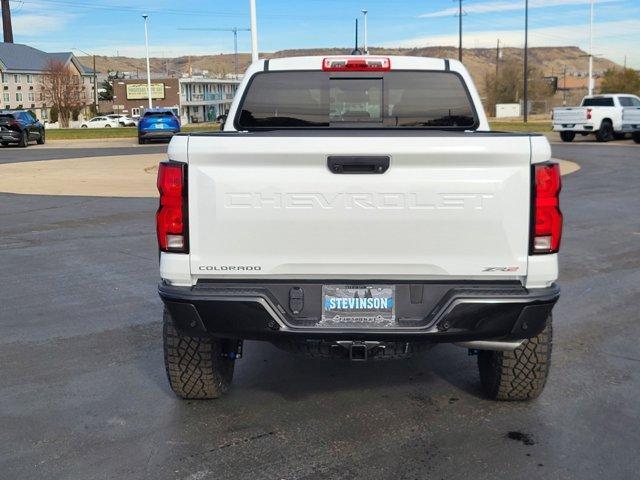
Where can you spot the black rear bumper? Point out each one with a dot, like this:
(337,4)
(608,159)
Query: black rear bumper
(431,312)
(151,134)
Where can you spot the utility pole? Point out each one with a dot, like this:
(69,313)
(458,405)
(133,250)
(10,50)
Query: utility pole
(495,83)
(95,81)
(146,44)
(591,50)
(526,58)
(356,50)
(564,86)
(460,30)
(6,22)
(366,48)
(497,58)
(234,30)
(254,31)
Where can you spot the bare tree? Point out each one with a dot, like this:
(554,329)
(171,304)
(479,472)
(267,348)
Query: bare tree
(507,87)
(63,89)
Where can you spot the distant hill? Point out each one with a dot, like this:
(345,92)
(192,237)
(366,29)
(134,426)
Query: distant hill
(550,60)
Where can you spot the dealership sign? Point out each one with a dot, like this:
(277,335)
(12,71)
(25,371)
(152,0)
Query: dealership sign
(139,91)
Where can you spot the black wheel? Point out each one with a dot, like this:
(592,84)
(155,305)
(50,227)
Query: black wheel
(567,136)
(141,141)
(605,134)
(636,137)
(520,374)
(195,366)
(84,126)
(24,140)
(41,137)
(4,144)
(107,126)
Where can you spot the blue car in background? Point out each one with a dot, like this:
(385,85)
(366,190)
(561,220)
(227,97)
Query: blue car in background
(157,123)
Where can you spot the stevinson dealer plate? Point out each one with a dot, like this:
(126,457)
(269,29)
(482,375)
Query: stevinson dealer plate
(358,306)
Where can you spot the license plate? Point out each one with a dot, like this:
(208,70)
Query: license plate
(158,125)
(358,306)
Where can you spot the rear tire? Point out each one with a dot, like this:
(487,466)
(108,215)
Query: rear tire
(567,136)
(520,374)
(24,140)
(41,138)
(605,134)
(195,366)
(636,137)
(141,141)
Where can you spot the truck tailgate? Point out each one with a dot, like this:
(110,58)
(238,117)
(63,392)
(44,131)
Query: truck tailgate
(450,205)
(569,115)
(631,115)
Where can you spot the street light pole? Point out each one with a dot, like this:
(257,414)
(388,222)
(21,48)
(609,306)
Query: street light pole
(235,50)
(366,36)
(591,50)
(254,31)
(526,58)
(146,45)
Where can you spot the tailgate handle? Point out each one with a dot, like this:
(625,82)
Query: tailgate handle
(358,164)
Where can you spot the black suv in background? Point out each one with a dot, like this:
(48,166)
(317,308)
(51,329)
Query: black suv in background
(21,127)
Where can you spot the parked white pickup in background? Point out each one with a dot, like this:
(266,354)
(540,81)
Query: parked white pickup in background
(598,114)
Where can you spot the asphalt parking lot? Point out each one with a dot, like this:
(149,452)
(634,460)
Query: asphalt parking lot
(83,393)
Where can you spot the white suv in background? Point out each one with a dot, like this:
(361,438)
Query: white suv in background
(123,120)
(100,122)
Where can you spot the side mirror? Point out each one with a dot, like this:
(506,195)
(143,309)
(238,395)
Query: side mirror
(222,119)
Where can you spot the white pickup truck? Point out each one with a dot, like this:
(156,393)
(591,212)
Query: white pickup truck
(608,116)
(358,207)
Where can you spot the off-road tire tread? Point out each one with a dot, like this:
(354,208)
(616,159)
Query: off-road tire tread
(520,374)
(195,366)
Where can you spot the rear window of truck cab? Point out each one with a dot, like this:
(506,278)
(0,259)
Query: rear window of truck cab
(393,99)
(598,102)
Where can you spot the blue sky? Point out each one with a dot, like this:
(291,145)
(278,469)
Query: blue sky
(115,26)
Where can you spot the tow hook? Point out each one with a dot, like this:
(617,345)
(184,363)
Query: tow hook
(359,351)
(232,349)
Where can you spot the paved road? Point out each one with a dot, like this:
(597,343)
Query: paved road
(83,393)
(14,154)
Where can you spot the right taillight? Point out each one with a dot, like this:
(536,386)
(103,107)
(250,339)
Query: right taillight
(546,230)
(171,219)
(588,114)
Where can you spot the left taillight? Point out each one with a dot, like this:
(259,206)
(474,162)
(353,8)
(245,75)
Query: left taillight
(546,230)
(172,216)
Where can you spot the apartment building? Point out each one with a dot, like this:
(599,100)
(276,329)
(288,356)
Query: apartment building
(204,98)
(22,69)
